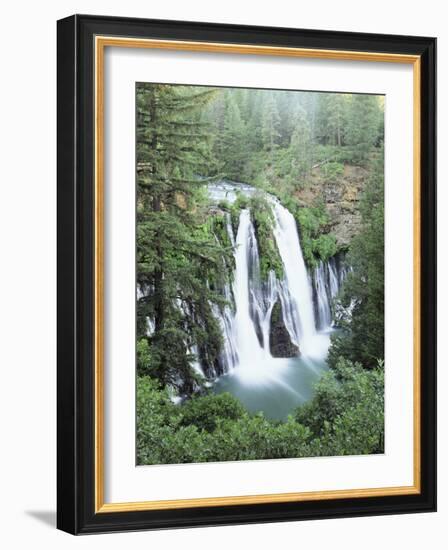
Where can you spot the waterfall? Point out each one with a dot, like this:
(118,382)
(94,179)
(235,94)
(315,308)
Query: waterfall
(196,365)
(246,332)
(265,297)
(305,299)
(229,229)
(335,278)
(327,280)
(229,354)
(322,298)
(296,297)
(250,352)
(262,295)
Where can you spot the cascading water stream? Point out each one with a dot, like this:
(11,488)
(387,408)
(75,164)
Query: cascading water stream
(327,280)
(334,280)
(269,296)
(229,354)
(250,353)
(323,303)
(278,380)
(300,324)
(263,382)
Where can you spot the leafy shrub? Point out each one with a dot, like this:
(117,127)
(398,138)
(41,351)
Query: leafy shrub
(346,416)
(332,171)
(317,243)
(143,356)
(263,220)
(242,201)
(253,437)
(324,247)
(206,412)
(224,205)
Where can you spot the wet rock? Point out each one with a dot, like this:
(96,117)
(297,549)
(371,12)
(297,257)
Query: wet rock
(279,339)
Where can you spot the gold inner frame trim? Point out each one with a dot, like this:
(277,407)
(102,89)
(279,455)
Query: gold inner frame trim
(101,42)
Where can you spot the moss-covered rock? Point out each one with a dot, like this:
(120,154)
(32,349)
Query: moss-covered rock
(263,221)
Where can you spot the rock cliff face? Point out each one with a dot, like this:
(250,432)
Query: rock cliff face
(341,196)
(279,340)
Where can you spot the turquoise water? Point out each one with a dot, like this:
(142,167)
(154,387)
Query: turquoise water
(276,387)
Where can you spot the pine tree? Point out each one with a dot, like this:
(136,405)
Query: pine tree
(337,115)
(254,135)
(331,118)
(270,123)
(363,126)
(175,255)
(234,146)
(214,116)
(288,103)
(301,146)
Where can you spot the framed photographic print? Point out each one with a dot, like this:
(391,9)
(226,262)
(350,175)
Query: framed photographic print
(246,267)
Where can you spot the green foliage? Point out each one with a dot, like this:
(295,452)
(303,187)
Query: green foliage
(344,417)
(224,205)
(324,247)
(230,133)
(364,126)
(300,148)
(216,225)
(208,411)
(240,203)
(254,438)
(270,122)
(157,417)
(263,220)
(211,428)
(313,222)
(362,338)
(176,251)
(332,113)
(143,356)
(275,138)
(332,171)
(312,219)
(317,243)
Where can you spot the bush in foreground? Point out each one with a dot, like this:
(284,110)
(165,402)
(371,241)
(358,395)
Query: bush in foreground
(346,416)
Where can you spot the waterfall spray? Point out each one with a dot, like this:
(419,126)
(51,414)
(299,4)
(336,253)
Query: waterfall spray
(246,328)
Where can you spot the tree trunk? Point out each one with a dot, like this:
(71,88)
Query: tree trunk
(159,305)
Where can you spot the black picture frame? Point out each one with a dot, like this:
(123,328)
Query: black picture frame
(76,512)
